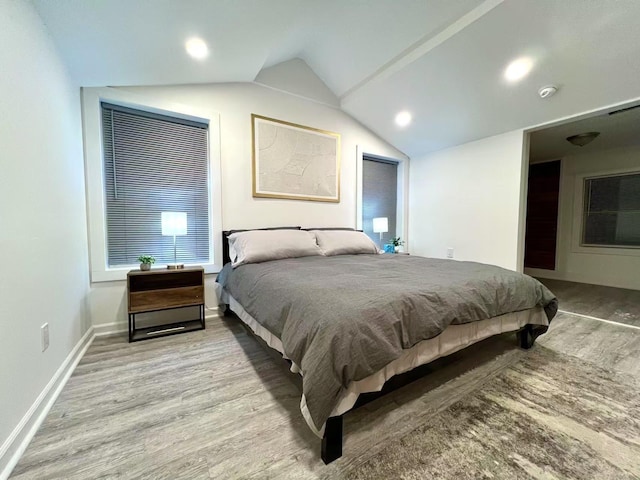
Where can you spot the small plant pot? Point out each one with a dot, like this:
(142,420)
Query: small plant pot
(396,249)
(145,266)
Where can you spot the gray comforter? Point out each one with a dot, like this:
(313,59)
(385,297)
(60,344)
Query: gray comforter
(344,318)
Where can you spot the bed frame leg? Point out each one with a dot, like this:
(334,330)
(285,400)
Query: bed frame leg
(526,337)
(332,440)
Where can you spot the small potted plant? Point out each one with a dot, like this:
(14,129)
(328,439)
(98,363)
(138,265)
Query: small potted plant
(146,261)
(397,243)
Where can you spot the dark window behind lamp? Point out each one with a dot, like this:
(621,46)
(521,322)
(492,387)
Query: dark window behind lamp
(379,196)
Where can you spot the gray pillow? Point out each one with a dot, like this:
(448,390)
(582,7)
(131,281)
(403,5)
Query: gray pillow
(226,251)
(255,246)
(344,242)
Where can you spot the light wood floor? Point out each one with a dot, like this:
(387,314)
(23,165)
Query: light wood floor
(217,404)
(616,304)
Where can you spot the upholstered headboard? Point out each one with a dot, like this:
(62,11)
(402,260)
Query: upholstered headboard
(225,247)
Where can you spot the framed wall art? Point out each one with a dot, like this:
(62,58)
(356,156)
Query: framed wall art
(295,162)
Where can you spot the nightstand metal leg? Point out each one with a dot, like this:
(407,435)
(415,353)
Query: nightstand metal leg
(132,327)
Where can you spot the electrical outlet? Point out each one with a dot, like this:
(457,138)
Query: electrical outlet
(450,252)
(44,331)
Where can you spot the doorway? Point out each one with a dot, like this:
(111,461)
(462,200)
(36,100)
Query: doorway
(583,201)
(540,243)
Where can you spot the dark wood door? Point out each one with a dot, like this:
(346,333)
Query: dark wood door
(542,215)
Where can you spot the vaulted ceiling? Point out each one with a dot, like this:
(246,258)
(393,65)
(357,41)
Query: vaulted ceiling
(442,60)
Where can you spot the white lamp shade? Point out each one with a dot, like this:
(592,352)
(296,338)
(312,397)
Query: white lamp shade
(380,225)
(174,223)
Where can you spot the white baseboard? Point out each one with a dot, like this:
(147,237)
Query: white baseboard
(580,278)
(541,273)
(13,448)
(115,328)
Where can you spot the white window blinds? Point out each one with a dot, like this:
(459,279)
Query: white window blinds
(612,211)
(153,164)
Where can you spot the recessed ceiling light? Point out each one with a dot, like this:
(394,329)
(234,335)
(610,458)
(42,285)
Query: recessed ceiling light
(518,69)
(403,119)
(197,48)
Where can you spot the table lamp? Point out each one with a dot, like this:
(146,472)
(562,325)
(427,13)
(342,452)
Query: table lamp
(380,225)
(174,224)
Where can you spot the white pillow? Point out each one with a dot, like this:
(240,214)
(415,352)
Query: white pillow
(255,246)
(344,242)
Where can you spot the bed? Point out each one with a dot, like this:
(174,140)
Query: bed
(349,318)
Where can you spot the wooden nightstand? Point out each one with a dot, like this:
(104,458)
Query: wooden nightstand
(156,290)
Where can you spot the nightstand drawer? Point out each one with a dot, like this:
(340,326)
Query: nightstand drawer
(150,300)
(164,279)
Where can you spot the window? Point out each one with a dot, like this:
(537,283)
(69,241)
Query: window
(611,215)
(154,164)
(379,197)
(155,156)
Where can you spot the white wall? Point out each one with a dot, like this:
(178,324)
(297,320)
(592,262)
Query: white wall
(468,198)
(43,237)
(601,266)
(236,102)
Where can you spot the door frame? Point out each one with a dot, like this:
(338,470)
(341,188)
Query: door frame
(524,177)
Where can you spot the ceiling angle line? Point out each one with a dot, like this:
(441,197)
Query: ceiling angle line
(623,110)
(423,46)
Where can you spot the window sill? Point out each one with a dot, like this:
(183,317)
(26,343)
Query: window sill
(120,274)
(620,251)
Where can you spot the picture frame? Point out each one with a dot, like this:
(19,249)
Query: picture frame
(294,162)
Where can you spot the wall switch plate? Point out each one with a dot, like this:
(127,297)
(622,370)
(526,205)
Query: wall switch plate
(44,331)
(449,252)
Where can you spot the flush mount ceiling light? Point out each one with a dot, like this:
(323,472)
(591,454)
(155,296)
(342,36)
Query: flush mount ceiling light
(403,119)
(582,139)
(197,48)
(518,69)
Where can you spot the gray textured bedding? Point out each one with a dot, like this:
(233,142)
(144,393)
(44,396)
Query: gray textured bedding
(344,318)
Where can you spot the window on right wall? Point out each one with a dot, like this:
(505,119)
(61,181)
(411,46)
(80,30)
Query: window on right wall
(611,214)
